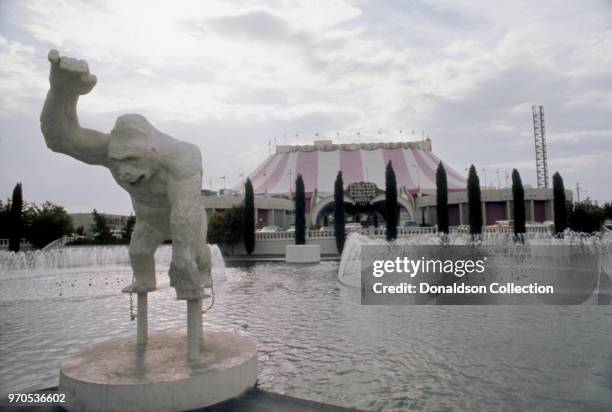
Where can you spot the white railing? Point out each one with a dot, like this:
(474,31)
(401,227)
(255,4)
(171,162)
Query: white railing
(58,243)
(274,235)
(317,234)
(531,230)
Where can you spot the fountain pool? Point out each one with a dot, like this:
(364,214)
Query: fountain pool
(316,341)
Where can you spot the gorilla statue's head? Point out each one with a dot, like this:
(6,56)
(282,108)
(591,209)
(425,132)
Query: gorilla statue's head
(132,149)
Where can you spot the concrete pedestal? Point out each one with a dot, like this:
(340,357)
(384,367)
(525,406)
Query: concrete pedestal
(302,253)
(118,375)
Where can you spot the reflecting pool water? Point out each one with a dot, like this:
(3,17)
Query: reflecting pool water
(317,342)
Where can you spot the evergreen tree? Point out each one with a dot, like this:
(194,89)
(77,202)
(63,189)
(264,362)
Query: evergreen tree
(300,211)
(586,216)
(518,201)
(233,224)
(607,207)
(339,212)
(5,219)
(214,235)
(16,219)
(474,202)
(47,223)
(559,203)
(249,217)
(391,206)
(442,199)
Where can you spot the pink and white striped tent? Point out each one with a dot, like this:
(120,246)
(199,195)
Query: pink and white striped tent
(414,164)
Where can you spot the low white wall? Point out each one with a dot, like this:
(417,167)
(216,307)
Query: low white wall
(277,247)
(274,243)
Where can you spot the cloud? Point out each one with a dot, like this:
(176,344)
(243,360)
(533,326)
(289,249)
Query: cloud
(255,26)
(231,75)
(21,84)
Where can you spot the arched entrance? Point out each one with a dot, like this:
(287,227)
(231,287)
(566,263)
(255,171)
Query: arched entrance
(368,215)
(363,203)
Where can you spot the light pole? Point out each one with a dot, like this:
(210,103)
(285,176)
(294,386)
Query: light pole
(484,171)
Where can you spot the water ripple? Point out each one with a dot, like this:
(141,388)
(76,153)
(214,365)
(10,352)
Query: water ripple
(316,341)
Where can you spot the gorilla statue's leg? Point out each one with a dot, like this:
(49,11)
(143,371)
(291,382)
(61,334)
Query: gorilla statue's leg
(145,240)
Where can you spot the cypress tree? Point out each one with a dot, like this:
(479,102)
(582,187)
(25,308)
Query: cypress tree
(249,217)
(518,201)
(442,199)
(474,202)
(559,203)
(391,206)
(16,219)
(300,211)
(339,212)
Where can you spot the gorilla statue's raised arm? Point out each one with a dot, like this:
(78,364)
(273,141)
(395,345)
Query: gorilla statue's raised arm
(162,175)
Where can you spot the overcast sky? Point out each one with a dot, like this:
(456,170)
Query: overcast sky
(230,76)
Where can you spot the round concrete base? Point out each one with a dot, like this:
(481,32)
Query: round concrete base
(117,376)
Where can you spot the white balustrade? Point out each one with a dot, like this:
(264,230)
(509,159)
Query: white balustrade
(531,231)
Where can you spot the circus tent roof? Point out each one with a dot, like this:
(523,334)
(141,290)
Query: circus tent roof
(414,164)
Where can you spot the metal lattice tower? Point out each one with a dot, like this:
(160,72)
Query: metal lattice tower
(540,145)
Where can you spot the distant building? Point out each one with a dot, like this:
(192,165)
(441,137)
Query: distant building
(363,171)
(115,222)
(497,206)
(269,210)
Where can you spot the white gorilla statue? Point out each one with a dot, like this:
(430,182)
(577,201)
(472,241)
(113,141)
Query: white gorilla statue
(162,175)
